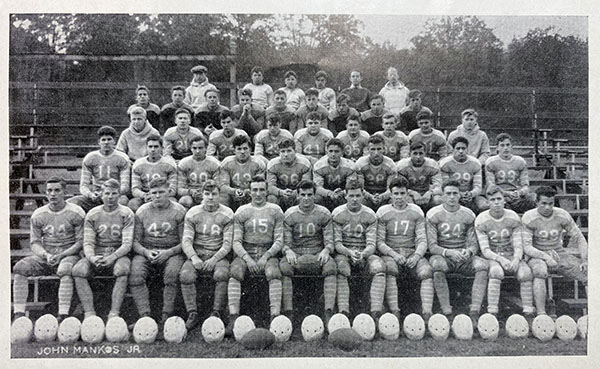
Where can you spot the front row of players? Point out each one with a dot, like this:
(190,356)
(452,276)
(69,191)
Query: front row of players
(307,239)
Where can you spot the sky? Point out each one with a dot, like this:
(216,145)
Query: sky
(399,29)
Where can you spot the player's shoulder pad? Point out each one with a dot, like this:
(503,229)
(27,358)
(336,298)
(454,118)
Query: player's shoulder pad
(273,162)
(439,134)
(404,109)
(430,163)
(434,211)
(530,215)
(75,209)
(121,154)
(562,213)
(196,131)
(327,133)
(383,210)
(346,163)
(362,162)
(301,132)
(366,114)
(242,208)
(403,163)
(95,210)
(483,217)
(511,214)
(225,210)
(414,132)
(257,161)
(303,160)
(170,131)
(41,210)
(216,134)
(261,134)
(285,133)
(337,211)
(387,161)
(519,159)
(228,160)
(322,209)
(321,163)
(178,207)
(364,134)
(276,207)
(140,161)
(445,160)
(169,160)
(211,159)
(343,134)
(125,210)
(467,211)
(474,160)
(492,159)
(416,209)
(143,209)
(293,210)
(92,154)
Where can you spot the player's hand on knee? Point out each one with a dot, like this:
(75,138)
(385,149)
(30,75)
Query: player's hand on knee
(412,260)
(355,256)
(150,254)
(95,260)
(323,257)
(209,265)
(261,263)
(454,255)
(108,260)
(291,257)
(551,262)
(583,266)
(197,262)
(514,265)
(163,255)
(399,259)
(253,266)
(504,262)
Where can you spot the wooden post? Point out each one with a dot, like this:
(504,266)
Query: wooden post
(233,73)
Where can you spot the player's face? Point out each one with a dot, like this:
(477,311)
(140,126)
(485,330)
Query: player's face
(343,107)
(199,77)
(280,100)
(320,82)
(160,196)
(142,97)
(399,197)
(290,82)
(212,98)
(228,125)
(242,152)
(355,78)
(392,76)
(353,127)
(504,149)
(198,150)
(545,205)
(245,100)
(425,125)
(274,128)
(312,101)
(469,121)
(334,154)
(55,193)
(354,199)
(211,198)
(183,121)
(287,155)
(377,106)
(451,196)
(258,192)
(496,201)
(313,126)
(460,152)
(257,78)
(376,153)
(107,144)
(389,124)
(110,196)
(414,103)
(306,198)
(177,96)
(153,149)
(417,157)
(138,122)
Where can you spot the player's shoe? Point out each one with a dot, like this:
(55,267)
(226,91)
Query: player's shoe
(426,317)
(474,315)
(192,321)
(229,328)
(216,314)
(61,317)
(161,327)
(328,314)
(376,314)
(449,316)
(112,315)
(529,317)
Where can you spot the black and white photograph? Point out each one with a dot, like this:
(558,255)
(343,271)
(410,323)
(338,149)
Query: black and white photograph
(357,182)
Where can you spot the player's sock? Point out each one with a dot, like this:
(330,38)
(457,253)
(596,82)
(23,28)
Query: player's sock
(118,294)
(478,290)
(169,295)
(427,295)
(234,291)
(391,292)
(329,290)
(377,291)
(493,295)
(141,298)
(20,292)
(275,296)
(442,291)
(188,291)
(539,295)
(220,295)
(527,296)
(343,293)
(286,285)
(84,291)
(65,294)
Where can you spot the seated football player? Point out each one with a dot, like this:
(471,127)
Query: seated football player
(373,118)
(434,140)
(312,105)
(326,94)
(286,114)
(158,231)
(354,139)
(408,114)
(193,171)
(207,238)
(307,247)
(98,167)
(424,177)
(499,232)
(376,170)
(107,241)
(355,235)
(56,240)
(453,246)
(284,173)
(543,229)
(220,142)
(330,174)
(142,96)
(236,172)
(168,111)
(132,140)
(266,142)
(207,116)
(257,242)
(402,242)
(396,145)
(250,115)
(311,141)
(510,173)
(339,117)
(177,140)
(148,168)
(466,170)
(479,144)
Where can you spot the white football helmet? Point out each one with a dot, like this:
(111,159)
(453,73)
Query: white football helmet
(438,327)
(21,330)
(566,328)
(174,330)
(414,327)
(281,327)
(364,325)
(243,324)
(389,326)
(69,330)
(462,327)
(213,330)
(488,327)
(338,321)
(46,328)
(582,326)
(517,326)
(92,329)
(116,330)
(312,328)
(145,330)
(543,328)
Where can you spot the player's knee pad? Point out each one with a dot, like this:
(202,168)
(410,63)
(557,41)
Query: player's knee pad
(272,269)
(81,269)
(188,275)
(236,271)
(136,279)
(424,270)
(186,201)
(524,273)
(170,277)
(285,268)
(480,264)
(439,263)
(23,268)
(65,267)
(343,267)
(391,266)
(221,274)
(330,268)
(376,265)
(539,268)
(122,267)
(496,271)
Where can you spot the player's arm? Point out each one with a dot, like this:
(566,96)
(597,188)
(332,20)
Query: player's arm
(382,247)
(89,239)
(332,103)
(328,235)
(126,236)
(168,146)
(472,244)
(225,181)
(517,242)
(138,234)
(577,237)
(177,248)
(432,238)
(528,248)
(484,244)
(238,238)
(420,237)
(36,239)
(485,150)
(212,147)
(272,183)
(259,149)
(277,236)
(477,183)
(122,144)
(337,239)
(370,239)
(524,181)
(227,241)
(490,175)
(124,176)
(86,179)
(136,185)
(442,150)
(319,181)
(287,234)
(445,176)
(187,241)
(172,180)
(299,145)
(436,184)
(182,185)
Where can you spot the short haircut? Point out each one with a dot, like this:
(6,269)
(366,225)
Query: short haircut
(142,88)
(258,178)
(375,97)
(398,181)
(55,179)
(306,184)
(158,182)
(424,114)
(376,140)
(138,110)
(388,115)
(313,115)
(198,138)
(256,69)
(177,88)
(280,92)
(312,92)
(321,74)
(226,114)
(390,69)
(183,111)
(107,131)
(414,145)
(503,136)
(111,183)
(355,70)
(210,185)
(154,138)
(544,191)
(492,190)
(353,184)
(469,112)
(412,94)
(458,139)
(286,143)
(341,98)
(246,92)
(240,140)
(211,90)
(290,73)
(335,142)
(354,117)
(451,183)
(274,119)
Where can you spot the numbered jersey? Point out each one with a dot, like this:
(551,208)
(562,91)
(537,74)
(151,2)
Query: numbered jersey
(501,235)
(421,179)
(467,173)
(208,230)
(191,174)
(144,171)
(159,228)
(330,177)
(450,229)
(286,115)
(375,176)
(258,225)
(354,147)
(98,168)
(546,233)
(401,229)
(355,231)
(283,176)
(238,175)
(310,145)
(308,233)
(106,230)
(221,146)
(57,230)
(509,174)
(267,145)
(395,147)
(435,142)
(178,144)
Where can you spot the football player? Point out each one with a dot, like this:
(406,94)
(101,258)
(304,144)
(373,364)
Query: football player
(193,171)
(312,105)
(287,115)
(478,142)
(326,94)
(250,116)
(355,140)
(330,174)
(220,142)
(207,115)
(396,143)
(142,96)
(133,139)
(434,140)
(177,140)
(373,118)
(266,142)
(376,170)
(311,141)
(168,111)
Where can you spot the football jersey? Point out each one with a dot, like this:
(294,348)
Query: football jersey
(435,142)
(159,228)
(56,231)
(396,147)
(509,174)
(303,111)
(191,174)
(258,226)
(221,146)
(308,233)
(502,235)
(450,230)
(144,171)
(467,173)
(359,97)
(206,115)
(267,145)
(337,122)
(104,232)
(286,115)
(355,147)
(355,230)
(328,177)
(546,233)
(310,145)
(282,176)
(97,168)
(401,229)
(421,179)
(238,175)
(178,145)
(208,230)
(371,122)
(375,177)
